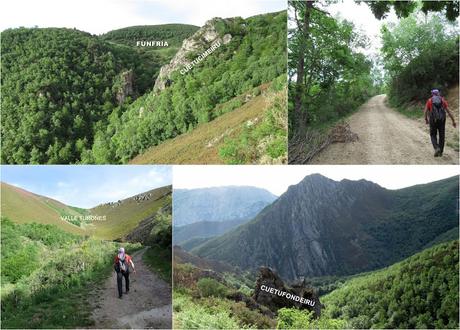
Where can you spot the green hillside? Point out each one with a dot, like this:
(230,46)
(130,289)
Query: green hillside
(121,217)
(174,34)
(256,54)
(59,87)
(419,292)
(81,98)
(248,131)
(124,217)
(22,206)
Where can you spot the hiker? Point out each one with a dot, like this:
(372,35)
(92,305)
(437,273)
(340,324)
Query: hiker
(436,108)
(121,264)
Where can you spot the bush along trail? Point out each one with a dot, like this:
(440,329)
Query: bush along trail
(331,78)
(385,136)
(147,305)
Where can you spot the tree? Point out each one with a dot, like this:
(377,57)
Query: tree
(381,8)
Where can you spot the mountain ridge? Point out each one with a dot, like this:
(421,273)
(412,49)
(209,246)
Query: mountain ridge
(324,227)
(219,203)
(22,206)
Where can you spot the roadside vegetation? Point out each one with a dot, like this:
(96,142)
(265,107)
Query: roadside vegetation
(48,273)
(330,76)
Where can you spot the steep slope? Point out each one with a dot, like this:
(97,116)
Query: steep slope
(420,292)
(108,221)
(204,229)
(61,85)
(123,216)
(246,53)
(22,206)
(206,140)
(323,227)
(218,204)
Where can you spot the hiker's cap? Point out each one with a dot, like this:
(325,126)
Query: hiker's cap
(435,91)
(121,250)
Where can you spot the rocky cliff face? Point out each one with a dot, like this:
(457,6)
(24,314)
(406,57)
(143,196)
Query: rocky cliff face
(126,86)
(323,227)
(198,42)
(284,296)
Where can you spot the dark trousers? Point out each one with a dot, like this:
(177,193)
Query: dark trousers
(435,127)
(120,276)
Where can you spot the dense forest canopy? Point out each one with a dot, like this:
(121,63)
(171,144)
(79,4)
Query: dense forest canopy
(420,292)
(59,86)
(174,34)
(255,55)
(71,97)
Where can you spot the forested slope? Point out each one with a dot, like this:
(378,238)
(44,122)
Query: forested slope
(59,87)
(72,97)
(254,55)
(173,34)
(419,292)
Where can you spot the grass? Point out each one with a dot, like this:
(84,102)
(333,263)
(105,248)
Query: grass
(188,314)
(61,309)
(54,287)
(201,146)
(413,111)
(160,261)
(21,206)
(124,218)
(264,141)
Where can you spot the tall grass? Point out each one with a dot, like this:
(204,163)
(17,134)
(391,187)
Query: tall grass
(47,275)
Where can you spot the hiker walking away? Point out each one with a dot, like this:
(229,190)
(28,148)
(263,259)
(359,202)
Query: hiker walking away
(121,264)
(435,115)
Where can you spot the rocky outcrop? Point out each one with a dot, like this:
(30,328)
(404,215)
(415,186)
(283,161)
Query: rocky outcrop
(125,88)
(273,293)
(142,232)
(198,42)
(322,227)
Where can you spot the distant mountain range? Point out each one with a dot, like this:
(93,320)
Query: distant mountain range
(121,217)
(218,204)
(204,229)
(323,227)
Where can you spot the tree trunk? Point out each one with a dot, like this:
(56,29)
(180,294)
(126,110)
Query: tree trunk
(301,114)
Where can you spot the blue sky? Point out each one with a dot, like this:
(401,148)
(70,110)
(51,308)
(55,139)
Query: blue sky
(87,186)
(100,16)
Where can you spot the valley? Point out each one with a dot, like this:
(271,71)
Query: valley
(340,242)
(101,99)
(72,286)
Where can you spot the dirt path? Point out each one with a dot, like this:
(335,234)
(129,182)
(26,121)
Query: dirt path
(148,304)
(386,137)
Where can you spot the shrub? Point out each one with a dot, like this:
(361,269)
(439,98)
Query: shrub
(208,287)
(190,315)
(291,318)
